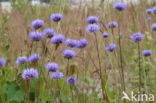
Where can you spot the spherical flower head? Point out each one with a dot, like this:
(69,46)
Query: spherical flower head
(69,54)
(120,6)
(153,27)
(71,43)
(105,35)
(2,62)
(137,37)
(149,11)
(21,60)
(35,36)
(30,73)
(154,10)
(71,80)
(112,24)
(34,58)
(56,75)
(82,43)
(56,17)
(111,47)
(146,53)
(57,39)
(52,67)
(92,28)
(148,19)
(36,24)
(49,32)
(92,19)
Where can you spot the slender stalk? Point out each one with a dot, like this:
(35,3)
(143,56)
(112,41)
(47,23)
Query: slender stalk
(67,69)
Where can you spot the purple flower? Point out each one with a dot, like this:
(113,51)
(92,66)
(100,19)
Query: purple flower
(154,10)
(56,75)
(82,43)
(111,47)
(36,24)
(21,60)
(146,53)
(137,37)
(112,24)
(120,6)
(52,67)
(34,58)
(71,43)
(153,27)
(57,39)
(69,54)
(2,62)
(56,17)
(92,19)
(92,28)
(30,73)
(49,32)
(35,36)
(148,19)
(149,11)
(105,35)
(71,80)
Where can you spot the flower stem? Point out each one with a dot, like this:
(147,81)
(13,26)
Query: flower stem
(139,65)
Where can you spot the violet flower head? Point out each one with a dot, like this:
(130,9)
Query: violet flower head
(21,60)
(57,39)
(35,36)
(56,17)
(56,75)
(71,43)
(71,80)
(92,28)
(69,54)
(36,24)
(82,43)
(146,53)
(137,37)
(49,32)
(154,10)
(148,19)
(2,62)
(111,47)
(149,11)
(33,58)
(153,27)
(112,24)
(105,35)
(92,19)
(30,73)
(120,6)
(52,66)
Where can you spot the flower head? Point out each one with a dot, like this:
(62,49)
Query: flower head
(52,66)
(36,24)
(92,19)
(57,39)
(56,17)
(82,43)
(34,58)
(146,53)
(49,32)
(153,27)
(149,11)
(105,35)
(30,73)
(112,24)
(148,19)
(71,80)
(111,47)
(2,62)
(71,43)
(137,37)
(21,60)
(92,28)
(120,6)
(56,75)
(35,36)
(69,54)
(154,10)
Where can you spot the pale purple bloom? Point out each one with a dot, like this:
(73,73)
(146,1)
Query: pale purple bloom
(71,80)
(49,32)
(112,24)
(35,36)
(52,66)
(137,37)
(36,24)
(30,73)
(92,19)
(57,39)
(2,62)
(153,27)
(71,43)
(148,19)
(120,6)
(21,60)
(69,54)
(92,28)
(56,75)
(34,58)
(146,52)
(105,35)
(149,11)
(154,9)
(56,17)
(82,43)
(111,47)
